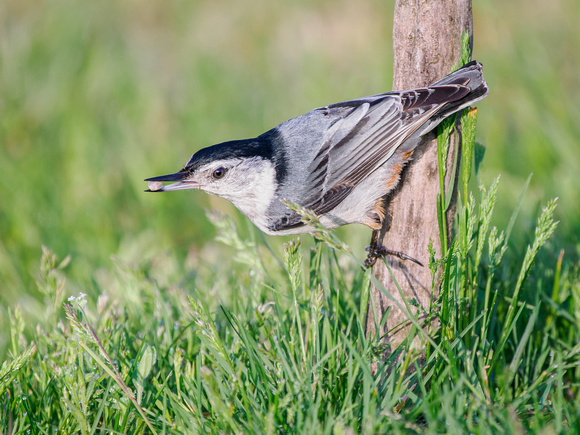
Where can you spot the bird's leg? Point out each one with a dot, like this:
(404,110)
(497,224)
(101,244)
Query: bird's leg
(376,251)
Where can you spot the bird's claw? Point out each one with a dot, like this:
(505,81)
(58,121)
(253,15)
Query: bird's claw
(376,252)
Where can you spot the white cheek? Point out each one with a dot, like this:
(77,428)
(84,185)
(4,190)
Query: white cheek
(257,195)
(251,187)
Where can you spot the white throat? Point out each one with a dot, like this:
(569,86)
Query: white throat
(253,189)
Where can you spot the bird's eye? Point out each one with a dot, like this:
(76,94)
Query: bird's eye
(219,173)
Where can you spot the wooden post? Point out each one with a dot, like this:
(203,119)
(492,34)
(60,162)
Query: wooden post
(427,43)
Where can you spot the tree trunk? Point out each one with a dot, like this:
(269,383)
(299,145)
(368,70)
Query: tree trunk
(427,43)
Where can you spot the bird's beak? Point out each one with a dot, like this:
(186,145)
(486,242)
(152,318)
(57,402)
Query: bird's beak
(181,183)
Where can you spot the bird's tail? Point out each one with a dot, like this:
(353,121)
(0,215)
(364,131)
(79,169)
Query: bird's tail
(470,75)
(472,88)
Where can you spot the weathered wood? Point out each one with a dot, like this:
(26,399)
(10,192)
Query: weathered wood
(427,43)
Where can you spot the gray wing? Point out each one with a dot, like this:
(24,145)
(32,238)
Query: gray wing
(366,137)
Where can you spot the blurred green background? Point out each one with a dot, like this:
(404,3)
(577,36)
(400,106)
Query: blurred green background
(97,96)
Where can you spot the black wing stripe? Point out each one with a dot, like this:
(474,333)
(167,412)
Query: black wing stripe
(288,222)
(329,200)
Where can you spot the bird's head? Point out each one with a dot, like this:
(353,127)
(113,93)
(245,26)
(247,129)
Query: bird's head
(240,171)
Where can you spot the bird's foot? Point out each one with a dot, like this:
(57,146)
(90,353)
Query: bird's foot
(377,251)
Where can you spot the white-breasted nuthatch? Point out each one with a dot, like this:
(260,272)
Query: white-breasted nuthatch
(338,161)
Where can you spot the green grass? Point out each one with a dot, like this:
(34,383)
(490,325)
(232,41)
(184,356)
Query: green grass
(254,336)
(283,348)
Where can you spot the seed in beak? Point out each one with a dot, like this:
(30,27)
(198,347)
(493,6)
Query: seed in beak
(154,186)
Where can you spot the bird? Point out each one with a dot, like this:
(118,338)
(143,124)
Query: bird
(340,161)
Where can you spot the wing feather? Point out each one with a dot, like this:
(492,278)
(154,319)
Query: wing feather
(364,139)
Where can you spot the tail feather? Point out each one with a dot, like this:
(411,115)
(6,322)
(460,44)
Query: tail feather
(471,76)
(473,88)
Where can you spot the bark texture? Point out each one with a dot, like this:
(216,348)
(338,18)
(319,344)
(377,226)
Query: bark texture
(427,43)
